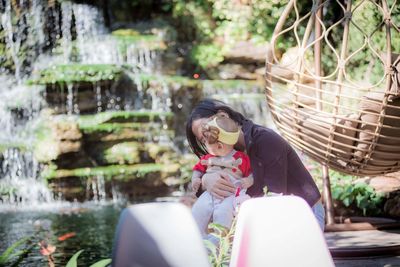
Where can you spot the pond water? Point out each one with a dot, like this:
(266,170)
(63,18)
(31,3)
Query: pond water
(92,224)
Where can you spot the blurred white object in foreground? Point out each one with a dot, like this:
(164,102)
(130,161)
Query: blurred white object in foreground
(280,232)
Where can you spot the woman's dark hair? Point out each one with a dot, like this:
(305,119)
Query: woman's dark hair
(205,109)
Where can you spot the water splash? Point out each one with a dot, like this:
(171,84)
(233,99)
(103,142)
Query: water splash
(98,188)
(142,59)
(66,20)
(19,185)
(13,44)
(70,99)
(37,35)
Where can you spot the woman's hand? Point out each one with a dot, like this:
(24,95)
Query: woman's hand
(188,199)
(209,133)
(218,184)
(247,181)
(196,182)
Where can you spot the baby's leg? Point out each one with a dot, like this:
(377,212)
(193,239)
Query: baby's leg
(223,212)
(223,215)
(202,211)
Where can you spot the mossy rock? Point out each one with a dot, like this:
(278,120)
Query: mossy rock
(108,153)
(76,73)
(155,151)
(128,37)
(89,121)
(126,32)
(112,126)
(56,136)
(22,146)
(114,172)
(171,80)
(90,96)
(122,153)
(122,135)
(115,127)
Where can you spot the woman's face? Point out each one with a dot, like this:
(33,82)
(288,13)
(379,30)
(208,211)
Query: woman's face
(199,126)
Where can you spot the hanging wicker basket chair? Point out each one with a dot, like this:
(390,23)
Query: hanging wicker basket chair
(335,95)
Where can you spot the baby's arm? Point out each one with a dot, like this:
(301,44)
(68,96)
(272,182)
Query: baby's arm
(196,180)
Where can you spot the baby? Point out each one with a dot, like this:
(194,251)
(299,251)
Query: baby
(224,158)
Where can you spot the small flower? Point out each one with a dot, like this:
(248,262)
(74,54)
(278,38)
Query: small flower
(46,249)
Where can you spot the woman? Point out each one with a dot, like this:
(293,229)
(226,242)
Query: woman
(274,162)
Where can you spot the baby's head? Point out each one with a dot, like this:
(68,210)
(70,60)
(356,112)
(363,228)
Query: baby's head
(227,137)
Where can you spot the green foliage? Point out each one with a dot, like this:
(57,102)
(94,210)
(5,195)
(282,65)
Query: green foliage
(220,254)
(367,36)
(265,14)
(120,172)
(73,261)
(125,32)
(367,25)
(101,263)
(216,25)
(194,20)
(87,121)
(128,37)
(348,194)
(12,254)
(359,196)
(77,73)
(232,20)
(207,55)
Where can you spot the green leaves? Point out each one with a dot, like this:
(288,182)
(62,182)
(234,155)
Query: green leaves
(12,253)
(357,195)
(220,253)
(101,263)
(207,55)
(73,262)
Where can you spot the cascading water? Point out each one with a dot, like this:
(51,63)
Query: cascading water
(13,45)
(84,39)
(19,107)
(247,99)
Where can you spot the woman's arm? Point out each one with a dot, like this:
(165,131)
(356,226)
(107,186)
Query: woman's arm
(218,184)
(269,162)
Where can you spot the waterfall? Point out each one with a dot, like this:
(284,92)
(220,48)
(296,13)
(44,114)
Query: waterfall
(245,97)
(77,35)
(13,44)
(19,170)
(66,20)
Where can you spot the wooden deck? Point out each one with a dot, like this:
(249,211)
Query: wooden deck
(374,248)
